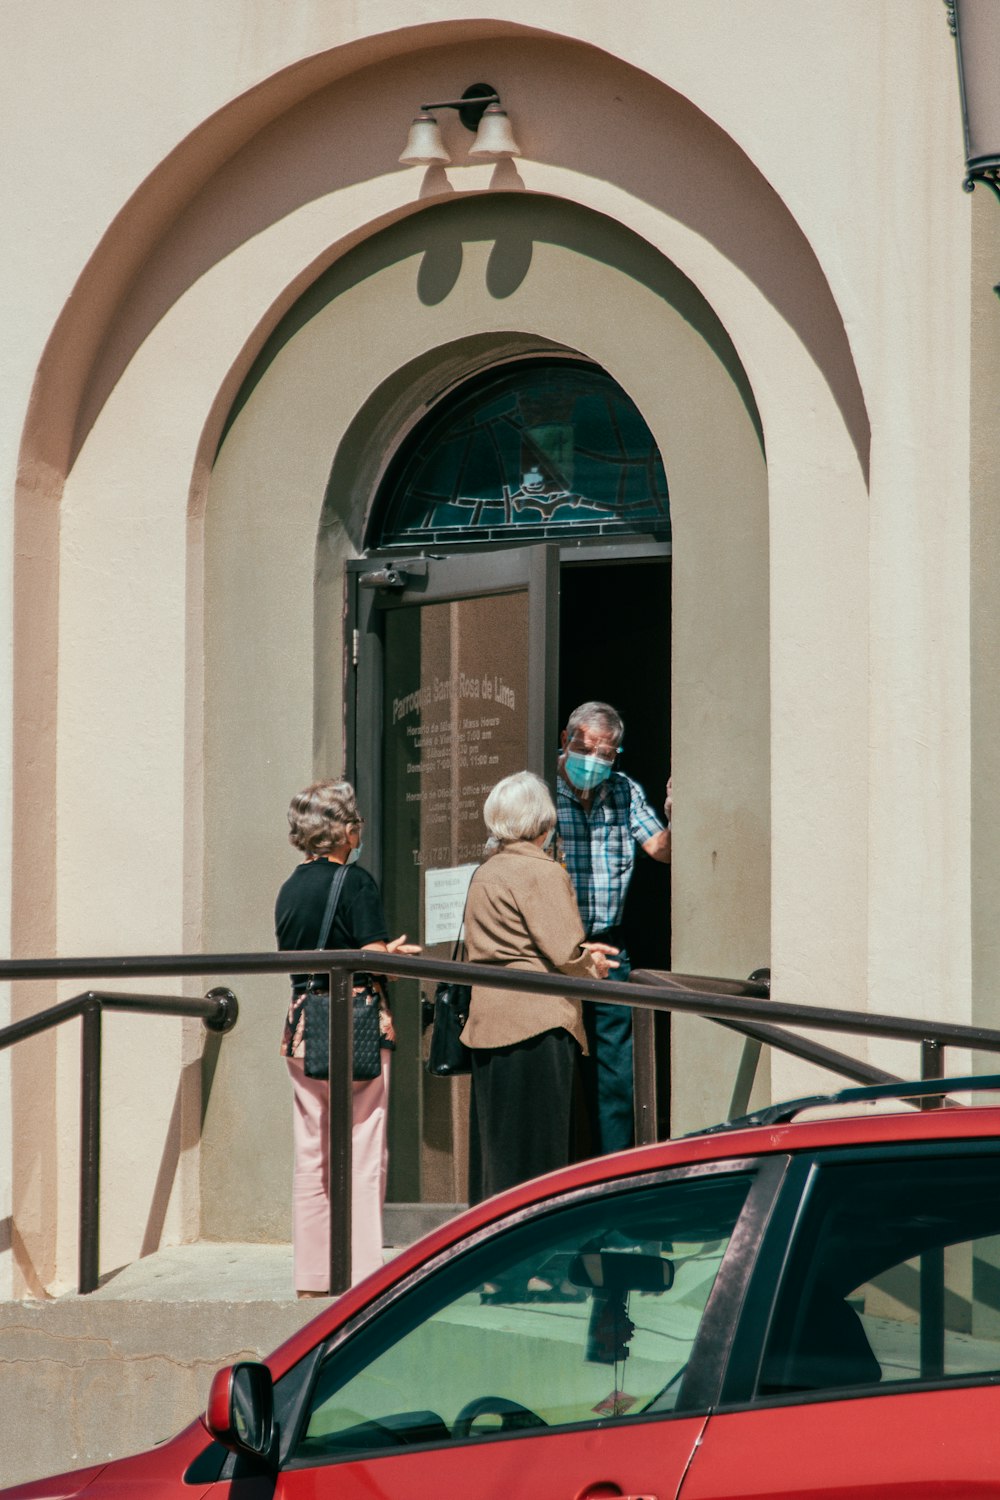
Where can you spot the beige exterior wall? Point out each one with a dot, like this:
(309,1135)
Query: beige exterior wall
(198,169)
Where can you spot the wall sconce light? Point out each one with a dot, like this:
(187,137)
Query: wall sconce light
(479,110)
(975,25)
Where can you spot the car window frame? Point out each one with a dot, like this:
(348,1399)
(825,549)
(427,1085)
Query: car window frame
(773,1267)
(701,1383)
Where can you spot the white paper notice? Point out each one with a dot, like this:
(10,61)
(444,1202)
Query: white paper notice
(444,902)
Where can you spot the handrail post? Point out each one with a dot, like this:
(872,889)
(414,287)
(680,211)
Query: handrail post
(746,1075)
(932,1260)
(644,1075)
(339,1124)
(90,1144)
(931,1066)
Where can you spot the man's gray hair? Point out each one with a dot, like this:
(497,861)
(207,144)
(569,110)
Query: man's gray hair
(599,716)
(519,807)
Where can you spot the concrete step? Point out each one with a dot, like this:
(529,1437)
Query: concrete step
(85,1379)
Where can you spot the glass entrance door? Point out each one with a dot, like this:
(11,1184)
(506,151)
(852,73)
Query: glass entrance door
(455,687)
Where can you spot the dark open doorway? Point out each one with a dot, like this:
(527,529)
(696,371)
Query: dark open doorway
(614,634)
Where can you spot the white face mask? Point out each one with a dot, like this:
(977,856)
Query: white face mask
(354,855)
(548,838)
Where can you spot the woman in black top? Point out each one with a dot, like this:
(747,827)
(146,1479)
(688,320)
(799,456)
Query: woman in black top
(325,825)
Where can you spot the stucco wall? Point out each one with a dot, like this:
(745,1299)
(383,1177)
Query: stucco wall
(798,161)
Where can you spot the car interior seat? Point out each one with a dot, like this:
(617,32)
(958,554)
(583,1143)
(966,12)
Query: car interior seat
(830,1348)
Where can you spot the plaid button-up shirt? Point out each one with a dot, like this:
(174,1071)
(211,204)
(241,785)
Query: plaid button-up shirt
(599,845)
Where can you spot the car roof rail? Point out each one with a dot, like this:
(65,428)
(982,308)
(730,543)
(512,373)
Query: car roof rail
(783,1114)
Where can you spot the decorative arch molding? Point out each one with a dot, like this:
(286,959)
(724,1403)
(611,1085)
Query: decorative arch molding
(277,151)
(439,236)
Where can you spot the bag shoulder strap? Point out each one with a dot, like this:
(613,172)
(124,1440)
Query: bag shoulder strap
(460,939)
(331,904)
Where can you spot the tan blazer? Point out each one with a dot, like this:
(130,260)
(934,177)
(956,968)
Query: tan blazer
(522,914)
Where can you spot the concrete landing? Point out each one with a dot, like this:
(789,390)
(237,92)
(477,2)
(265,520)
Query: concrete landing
(203,1272)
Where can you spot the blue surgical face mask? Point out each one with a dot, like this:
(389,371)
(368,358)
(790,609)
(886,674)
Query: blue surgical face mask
(354,855)
(586,772)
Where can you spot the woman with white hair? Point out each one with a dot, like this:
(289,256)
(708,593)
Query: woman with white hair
(522,914)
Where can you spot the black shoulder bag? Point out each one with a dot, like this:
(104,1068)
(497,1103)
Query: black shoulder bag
(448,1055)
(367,1055)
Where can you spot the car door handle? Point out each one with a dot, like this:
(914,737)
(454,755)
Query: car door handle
(609,1492)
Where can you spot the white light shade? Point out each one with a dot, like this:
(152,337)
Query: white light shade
(424,146)
(494,138)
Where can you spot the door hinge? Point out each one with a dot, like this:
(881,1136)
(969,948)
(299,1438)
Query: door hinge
(355,646)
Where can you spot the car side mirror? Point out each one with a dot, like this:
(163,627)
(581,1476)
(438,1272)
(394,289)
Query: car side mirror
(240,1411)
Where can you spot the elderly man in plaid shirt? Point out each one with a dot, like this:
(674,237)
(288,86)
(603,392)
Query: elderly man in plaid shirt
(603,814)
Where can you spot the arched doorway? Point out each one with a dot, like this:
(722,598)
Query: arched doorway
(377,344)
(518,563)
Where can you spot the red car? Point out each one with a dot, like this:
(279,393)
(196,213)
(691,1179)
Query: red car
(802,1309)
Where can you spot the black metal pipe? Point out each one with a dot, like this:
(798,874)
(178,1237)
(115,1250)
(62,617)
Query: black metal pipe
(644,1076)
(340,1126)
(931,1261)
(746,1074)
(812,1052)
(717,1006)
(931,1066)
(90,1144)
(218,1009)
(717,999)
(739,1004)
(43,1020)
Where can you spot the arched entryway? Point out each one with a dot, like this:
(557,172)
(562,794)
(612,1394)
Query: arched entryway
(518,563)
(440,305)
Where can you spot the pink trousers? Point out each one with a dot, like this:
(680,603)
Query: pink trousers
(310,1200)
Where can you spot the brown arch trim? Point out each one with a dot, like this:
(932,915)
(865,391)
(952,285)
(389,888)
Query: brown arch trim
(381,422)
(94,333)
(270,152)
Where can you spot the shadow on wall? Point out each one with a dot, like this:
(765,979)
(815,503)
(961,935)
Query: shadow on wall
(510,258)
(512,226)
(440,269)
(705,181)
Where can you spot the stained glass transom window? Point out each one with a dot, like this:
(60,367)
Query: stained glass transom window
(533,449)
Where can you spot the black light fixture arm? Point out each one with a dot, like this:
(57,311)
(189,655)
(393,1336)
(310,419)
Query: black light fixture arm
(472,105)
(990,174)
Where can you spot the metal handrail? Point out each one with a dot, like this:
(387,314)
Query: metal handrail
(218,1010)
(741,1005)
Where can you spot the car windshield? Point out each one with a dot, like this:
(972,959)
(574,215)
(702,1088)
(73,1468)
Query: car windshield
(587,1314)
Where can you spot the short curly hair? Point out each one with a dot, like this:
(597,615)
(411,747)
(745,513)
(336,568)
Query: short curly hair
(320,815)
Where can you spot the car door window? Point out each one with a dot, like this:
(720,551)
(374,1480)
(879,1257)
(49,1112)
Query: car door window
(585,1314)
(894,1277)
